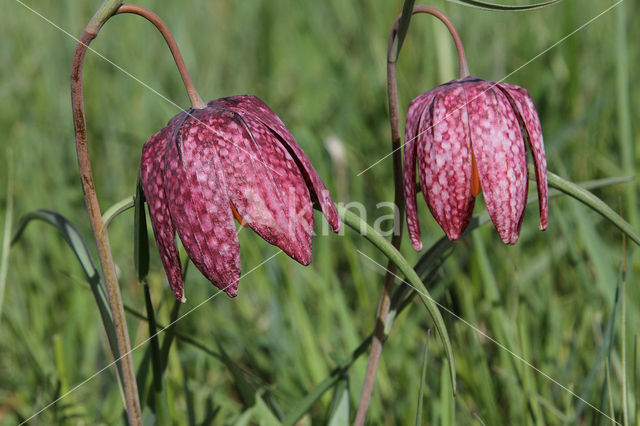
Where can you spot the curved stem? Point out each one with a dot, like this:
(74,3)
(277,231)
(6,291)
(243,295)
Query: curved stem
(462,59)
(102,239)
(196,100)
(106,10)
(380,333)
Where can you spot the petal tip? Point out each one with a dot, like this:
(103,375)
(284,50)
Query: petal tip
(417,244)
(232,290)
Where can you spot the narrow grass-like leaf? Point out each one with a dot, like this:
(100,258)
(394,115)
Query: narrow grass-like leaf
(504,7)
(70,235)
(113,211)
(403,28)
(636,391)
(447,404)
(612,413)
(595,203)
(6,237)
(623,336)
(170,332)
(358,224)
(182,337)
(339,412)
(79,247)
(316,393)
(59,356)
(156,366)
(624,110)
(604,349)
(423,377)
(140,237)
(247,390)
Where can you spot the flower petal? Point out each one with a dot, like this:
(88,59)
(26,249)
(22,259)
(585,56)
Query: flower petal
(254,106)
(199,205)
(500,156)
(529,116)
(444,161)
(151,171)
(263,181)
(413,125)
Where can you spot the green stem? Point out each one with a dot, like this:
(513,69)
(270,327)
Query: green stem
(119,207)
(595,203)
(359,225)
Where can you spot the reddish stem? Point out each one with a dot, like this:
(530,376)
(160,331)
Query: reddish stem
(132,401)
(196,100)
(106,10)
(379,335)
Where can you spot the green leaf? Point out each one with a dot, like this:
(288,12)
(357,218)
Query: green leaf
(246,389)
(170,330)
(595,203)
(504,7)
(340,406)
(6,238)
(70,235)
(403,28)
(423,377)
(156,366)
(79,246)
(113,211)
(394,255)
(140,237)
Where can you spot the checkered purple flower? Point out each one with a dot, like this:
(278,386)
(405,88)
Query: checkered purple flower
(468,136)
(232,158)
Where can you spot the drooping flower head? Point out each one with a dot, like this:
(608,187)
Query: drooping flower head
(468,136)
(233,158)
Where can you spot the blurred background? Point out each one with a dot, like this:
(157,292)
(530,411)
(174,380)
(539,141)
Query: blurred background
(554,298)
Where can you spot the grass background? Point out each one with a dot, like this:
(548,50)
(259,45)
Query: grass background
(321,67)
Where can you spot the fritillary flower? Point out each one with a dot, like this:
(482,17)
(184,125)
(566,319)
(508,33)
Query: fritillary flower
(468,136)
(233,158)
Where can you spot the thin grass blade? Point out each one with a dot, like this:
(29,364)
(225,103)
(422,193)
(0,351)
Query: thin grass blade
(503,7)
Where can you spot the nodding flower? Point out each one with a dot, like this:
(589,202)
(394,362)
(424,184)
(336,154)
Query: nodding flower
(232,158)
(468,136)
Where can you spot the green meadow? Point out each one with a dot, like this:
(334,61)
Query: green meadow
(544,332)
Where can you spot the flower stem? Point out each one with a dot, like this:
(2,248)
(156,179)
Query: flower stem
(380,334)
(132,401)
(194,97)
(107,10)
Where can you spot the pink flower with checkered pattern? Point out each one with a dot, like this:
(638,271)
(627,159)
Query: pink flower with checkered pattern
(468,136)
(233,158)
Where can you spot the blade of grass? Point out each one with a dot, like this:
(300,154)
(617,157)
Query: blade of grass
(604,349)
(623,336)
(593,202)
(610,396)
(79,246)
(340,404)
(623,110)
(503,7)
(423,377)
(447,404)
(635,379)
(117,208)
(359,225)
(140,237)
(6,237)
(156,367)
(403,27)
